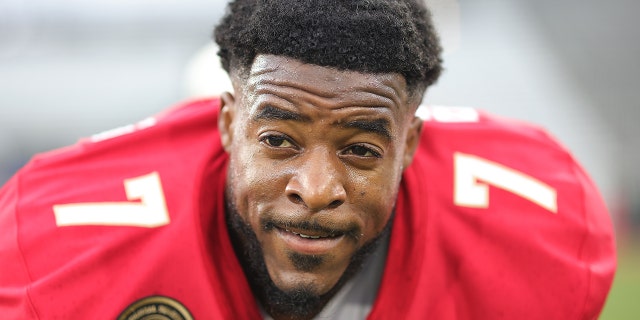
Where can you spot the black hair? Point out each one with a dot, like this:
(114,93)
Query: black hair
(369,36)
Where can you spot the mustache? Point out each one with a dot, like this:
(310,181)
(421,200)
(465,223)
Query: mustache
(351,230)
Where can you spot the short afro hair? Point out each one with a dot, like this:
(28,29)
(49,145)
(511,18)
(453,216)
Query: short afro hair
(369,36)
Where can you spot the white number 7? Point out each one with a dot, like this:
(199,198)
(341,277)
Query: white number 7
(150,211)
(473,175)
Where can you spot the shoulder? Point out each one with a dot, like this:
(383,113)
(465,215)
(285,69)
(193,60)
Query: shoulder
(483,127)
(79,215)
(191,116)
(170,146)
(478,154)
(508,204)
(463,139)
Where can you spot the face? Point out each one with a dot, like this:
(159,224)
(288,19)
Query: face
(316,157)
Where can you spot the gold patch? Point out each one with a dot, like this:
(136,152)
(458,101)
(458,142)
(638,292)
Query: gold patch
(156,308)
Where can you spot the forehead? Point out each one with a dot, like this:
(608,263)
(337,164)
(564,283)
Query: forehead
(343,88)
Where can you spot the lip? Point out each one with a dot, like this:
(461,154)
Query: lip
(309,245)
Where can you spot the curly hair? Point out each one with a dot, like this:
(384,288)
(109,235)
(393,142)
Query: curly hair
(369,36)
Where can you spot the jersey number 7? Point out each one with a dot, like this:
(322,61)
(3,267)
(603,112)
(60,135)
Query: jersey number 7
(473,175)
(146,207)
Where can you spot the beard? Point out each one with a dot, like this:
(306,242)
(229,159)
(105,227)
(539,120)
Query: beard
(298,303)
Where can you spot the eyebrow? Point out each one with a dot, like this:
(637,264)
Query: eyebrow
(377,126)
(273,113)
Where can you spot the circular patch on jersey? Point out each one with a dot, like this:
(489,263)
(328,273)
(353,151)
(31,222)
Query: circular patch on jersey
(156,308)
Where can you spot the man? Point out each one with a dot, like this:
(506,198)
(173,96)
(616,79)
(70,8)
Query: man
(312,190)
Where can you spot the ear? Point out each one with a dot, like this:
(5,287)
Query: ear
(226,118)
(412,141)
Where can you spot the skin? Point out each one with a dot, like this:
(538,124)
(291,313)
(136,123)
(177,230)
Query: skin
(315,152)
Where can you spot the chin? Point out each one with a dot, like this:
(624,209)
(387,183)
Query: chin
(310,273)
(310,283)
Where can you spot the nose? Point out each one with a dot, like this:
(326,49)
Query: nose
(318,182)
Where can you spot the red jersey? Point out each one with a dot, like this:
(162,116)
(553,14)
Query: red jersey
(493,220)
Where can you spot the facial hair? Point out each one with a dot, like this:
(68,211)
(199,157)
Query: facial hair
(302,302)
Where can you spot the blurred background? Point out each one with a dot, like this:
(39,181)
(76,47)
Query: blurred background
(71,68)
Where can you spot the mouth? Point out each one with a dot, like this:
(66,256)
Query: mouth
(310,242)
(315,235)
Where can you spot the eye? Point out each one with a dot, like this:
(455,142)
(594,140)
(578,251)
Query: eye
(362,151)
(277,141)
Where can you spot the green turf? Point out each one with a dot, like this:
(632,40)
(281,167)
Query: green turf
(624,300)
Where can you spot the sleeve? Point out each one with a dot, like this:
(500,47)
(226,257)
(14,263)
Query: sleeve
(14,277)
(598,249)
(496,218)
